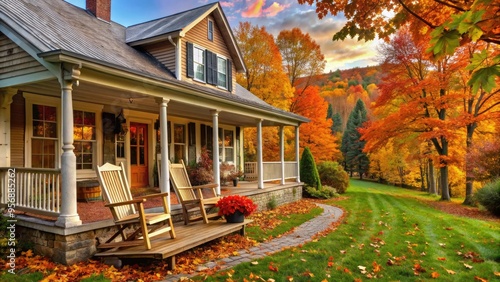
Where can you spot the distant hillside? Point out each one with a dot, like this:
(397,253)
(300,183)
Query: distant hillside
(361,75)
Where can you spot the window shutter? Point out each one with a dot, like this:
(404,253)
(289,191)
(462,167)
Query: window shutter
(189,63)
(229,76)
(209,64)
(214,68)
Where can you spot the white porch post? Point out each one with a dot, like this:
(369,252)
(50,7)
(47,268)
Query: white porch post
(282,153)
(5,101)
(69,215)
(260,165)
(164,169)
(297,152)
(215,148)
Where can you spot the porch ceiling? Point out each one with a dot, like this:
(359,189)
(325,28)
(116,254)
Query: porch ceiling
(135,99)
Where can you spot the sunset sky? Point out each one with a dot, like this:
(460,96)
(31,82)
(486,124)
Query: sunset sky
(274,15)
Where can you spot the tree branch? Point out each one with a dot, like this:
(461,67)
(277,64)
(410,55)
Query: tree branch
(415,15)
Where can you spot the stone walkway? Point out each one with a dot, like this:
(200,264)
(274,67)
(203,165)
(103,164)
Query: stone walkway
(300,235)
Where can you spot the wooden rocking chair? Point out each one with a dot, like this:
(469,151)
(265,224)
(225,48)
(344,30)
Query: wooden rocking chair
(128,212)
(191,197)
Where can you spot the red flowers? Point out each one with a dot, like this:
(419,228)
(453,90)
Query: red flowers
(230,204)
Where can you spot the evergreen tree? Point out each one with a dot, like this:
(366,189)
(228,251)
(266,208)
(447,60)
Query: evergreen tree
(337,123)
(308,170)
(329,113)
(352,147)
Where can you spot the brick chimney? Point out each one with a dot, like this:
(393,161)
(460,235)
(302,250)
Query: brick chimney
(100,8)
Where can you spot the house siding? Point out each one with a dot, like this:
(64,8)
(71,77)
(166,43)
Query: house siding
(164,52)
(198,36)
(14,61)
(17,124)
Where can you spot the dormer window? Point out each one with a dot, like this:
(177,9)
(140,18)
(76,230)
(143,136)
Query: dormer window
(210,31)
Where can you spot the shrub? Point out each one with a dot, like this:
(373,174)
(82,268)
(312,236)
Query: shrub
(334,175)
(489,197)
(308,171)
(201,172)
(326,192)
(272,203)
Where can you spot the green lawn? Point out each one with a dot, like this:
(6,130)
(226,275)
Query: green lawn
(390,236)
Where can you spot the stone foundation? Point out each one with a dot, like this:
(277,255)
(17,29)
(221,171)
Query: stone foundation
(75,244)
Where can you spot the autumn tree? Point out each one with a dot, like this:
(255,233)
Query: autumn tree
(301,55)
(450,24)
(315,134)
(355,159)
(264,77)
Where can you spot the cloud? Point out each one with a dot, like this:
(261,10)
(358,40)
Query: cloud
(254,10)
(274,9)
(227,4)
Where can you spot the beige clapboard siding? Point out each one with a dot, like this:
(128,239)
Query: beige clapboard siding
(14,61)
(198,35)
(17,121)
(164,52)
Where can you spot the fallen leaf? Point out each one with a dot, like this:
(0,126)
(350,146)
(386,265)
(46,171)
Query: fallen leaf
(289,278)
(272,267)
(390,262)
(468,266)
(304,260)
(477,278)
(376,267)
(343,251)
(497,273)
(450,271)
(434,275)
(255,262)
(442,259)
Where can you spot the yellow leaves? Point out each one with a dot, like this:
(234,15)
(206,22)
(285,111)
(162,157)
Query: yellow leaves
(450,271)
(477,278)
(254,262)
(468,266)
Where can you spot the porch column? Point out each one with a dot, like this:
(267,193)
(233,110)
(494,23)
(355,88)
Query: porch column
(297,152)
(282,153)
(215,148)
(68,216)
(260,165)
(5,101)
(164,166)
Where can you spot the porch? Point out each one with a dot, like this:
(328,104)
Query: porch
(78,243)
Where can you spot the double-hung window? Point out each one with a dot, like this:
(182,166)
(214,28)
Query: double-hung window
(221,72)
(84,135)
(226,145)
(208,67)
(199,63)
(44,137)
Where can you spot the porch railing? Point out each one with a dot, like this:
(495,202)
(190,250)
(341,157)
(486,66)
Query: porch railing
(35,190)
(272,170)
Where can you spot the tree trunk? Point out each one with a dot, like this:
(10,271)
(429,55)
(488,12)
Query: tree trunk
(445,193)
(469,178)
(432,178)
(422,177)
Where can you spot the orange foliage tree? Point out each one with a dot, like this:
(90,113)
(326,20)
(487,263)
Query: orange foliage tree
(315,134)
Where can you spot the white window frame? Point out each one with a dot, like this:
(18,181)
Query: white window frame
(210,30)
(196,49)
(33,99)
(97,110)
(222,148)
(219,72)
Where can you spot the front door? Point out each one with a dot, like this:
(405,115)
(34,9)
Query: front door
(139,155)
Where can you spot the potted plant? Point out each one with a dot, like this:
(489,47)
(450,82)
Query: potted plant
(235,175)
(234,208)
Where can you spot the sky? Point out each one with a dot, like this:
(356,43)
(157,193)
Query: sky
(275,16)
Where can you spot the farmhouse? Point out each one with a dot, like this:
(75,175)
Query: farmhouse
(78,91)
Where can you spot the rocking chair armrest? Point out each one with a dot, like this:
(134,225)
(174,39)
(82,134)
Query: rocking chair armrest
(165,194)
(211,185)
(134,201)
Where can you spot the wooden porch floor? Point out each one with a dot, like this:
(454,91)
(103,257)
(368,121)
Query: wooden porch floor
(187,237)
